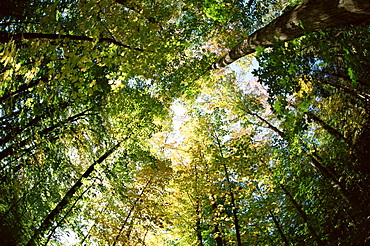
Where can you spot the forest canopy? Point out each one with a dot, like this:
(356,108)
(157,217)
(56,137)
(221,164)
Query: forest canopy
(130,122)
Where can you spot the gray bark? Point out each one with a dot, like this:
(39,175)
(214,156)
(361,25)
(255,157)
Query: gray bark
(307,17)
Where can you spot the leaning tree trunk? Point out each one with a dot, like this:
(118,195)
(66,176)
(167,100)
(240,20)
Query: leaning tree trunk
(304,216)
(275,220)
(48,221)
(308,16)
(327,172)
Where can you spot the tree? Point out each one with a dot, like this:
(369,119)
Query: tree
(308,16)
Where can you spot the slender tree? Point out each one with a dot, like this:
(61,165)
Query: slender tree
(48,221)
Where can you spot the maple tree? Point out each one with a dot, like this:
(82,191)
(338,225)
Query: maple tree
(91,152)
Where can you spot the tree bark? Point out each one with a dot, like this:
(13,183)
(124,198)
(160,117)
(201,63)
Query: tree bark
(333,179)
(308,16)
(59,223)
(198,223)
(199,229)
(22,88)
(88,234)
(334,132)
(17,131)
(275,220)
(272,127)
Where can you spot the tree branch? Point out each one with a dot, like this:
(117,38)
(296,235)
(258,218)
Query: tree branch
(6,37)
(134,7)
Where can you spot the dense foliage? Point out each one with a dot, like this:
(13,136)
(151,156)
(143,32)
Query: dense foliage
(93,152)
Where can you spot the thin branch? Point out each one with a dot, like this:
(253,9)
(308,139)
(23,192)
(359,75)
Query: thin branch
(6,37)
(134,7)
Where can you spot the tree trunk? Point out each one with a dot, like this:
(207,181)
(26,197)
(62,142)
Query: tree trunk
(308,16)
(272,127)
(133,207)
(48,221)
(327,172)
(358,94)
(304,216)
(276,222)
(198,224)
(16,131)
(280,230)
(22,88)
(218,237)
(333,178)
(199,232)
(59,223)
(334,132)
(88,234)
(230,189)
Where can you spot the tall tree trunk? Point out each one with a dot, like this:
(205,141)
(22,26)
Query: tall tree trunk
(230,189)
(198,222)
(357,94)
(22,88)
(198,229)
(272,127)
(308,16)
(11,171)
(328,173)
(133,207)
(59,223)
(15,205)
(278,226)
(362,169)
(48,221)
(303,215)
(218,237)
(233,208)
(275,220)
(334,132)
(92,227)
